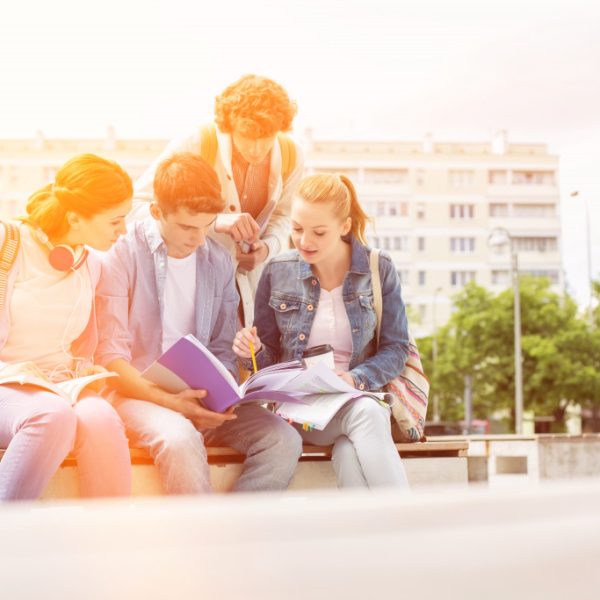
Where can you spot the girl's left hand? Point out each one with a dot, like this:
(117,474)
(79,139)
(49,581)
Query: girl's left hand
(95,386)
(346,377)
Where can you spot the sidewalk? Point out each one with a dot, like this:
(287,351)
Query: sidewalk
(539,542)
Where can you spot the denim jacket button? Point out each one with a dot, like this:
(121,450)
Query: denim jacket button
(361,386)
(283,306)
(309,307)
(301,337)
(314,282)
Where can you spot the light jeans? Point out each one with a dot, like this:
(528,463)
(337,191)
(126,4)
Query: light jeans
(39,429)
(271,446)
(364,454)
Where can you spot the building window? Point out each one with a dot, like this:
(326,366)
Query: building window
(498,209)
(462,245)
(551,274)
(534,210)
(498,177)
(386,243)
(461,178)
(460,278)
(500,277)
(404,277)
(533,178)
(422,312)
(401,243)
(397,176)
(536,244)
(462,211)
(420,211)
(391,209)
(421,244)
(375,241)
(421,277)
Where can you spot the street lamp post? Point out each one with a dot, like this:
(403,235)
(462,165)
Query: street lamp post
(500,238)
(434,353)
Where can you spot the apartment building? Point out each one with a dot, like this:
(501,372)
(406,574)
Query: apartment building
(434,204)
(28,164)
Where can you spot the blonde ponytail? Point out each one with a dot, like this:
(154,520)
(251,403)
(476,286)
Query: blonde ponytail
(338,189)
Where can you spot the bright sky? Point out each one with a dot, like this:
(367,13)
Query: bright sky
(396,68)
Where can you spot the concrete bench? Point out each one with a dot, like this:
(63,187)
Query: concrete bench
(536,457)
(435,462)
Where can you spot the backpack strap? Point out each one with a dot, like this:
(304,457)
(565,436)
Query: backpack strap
(8,255)
(376,283)
(208,143)
(288,155)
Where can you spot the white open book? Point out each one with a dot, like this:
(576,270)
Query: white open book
(69,389)
(323,393)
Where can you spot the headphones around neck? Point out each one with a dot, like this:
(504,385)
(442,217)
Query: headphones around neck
(62,257)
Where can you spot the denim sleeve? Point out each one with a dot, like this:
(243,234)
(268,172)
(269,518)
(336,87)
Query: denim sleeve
(112,306)
(265,323)
(390,358)
(225,324)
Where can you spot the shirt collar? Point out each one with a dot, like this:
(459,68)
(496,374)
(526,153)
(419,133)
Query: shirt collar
(156,242)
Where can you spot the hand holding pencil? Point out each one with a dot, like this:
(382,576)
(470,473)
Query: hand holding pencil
(246,344)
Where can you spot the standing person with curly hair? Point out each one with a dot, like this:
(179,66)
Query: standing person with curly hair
(259,168)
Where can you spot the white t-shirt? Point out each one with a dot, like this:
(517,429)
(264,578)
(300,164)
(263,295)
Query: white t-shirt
(179,316)
(332,326)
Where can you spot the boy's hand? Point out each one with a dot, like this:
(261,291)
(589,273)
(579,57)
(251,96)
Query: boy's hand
(189,404)
(258,254)
(241,342)
(239,226)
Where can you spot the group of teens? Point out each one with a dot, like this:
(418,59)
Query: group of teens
(199,246)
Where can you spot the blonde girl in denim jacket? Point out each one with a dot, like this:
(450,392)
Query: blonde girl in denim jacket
(321,293)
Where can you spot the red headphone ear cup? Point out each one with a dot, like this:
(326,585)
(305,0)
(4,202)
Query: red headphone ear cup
(61,258)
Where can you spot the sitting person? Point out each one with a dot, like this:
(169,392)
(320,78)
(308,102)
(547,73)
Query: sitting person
(321,293)
(259,168)
(48,330)
(163,280)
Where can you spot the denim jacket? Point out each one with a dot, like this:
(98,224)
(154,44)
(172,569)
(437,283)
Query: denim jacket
(287,298)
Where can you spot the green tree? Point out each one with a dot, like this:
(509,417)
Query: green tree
(561,354)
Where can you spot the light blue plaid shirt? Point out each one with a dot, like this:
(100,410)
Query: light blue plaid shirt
(130,299)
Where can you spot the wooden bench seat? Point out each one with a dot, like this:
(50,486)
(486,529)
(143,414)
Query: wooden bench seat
(436,461)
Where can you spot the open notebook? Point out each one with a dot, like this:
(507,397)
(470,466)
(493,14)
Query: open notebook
(70,389)
(189,364)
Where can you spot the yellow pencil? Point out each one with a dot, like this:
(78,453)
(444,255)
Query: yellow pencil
(253,356)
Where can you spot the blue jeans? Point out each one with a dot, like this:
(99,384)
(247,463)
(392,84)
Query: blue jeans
(271,446)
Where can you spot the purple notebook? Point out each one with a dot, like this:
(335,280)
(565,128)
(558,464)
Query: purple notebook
(189,364)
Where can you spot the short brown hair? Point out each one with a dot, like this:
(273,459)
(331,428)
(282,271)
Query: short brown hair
(259,106)
(186,180)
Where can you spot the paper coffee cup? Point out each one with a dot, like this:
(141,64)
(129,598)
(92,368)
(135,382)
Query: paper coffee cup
(319,354)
